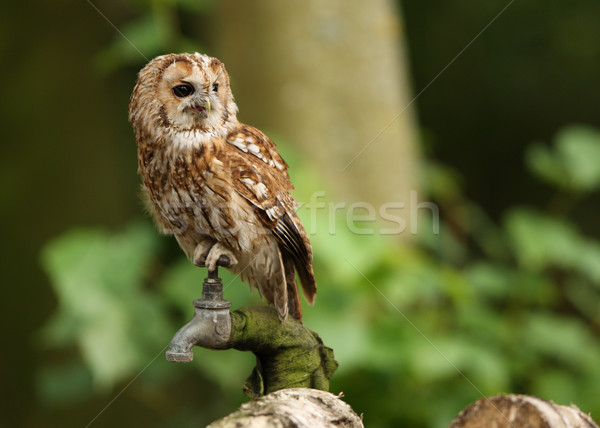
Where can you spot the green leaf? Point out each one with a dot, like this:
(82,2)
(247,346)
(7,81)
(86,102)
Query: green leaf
(141,38)
(579,149)
(543,163)
(574,162)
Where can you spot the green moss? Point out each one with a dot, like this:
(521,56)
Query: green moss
(288,354)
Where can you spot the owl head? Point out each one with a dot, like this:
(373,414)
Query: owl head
(183,92)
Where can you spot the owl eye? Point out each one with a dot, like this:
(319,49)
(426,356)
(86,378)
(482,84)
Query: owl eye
(182,91)
(215,87)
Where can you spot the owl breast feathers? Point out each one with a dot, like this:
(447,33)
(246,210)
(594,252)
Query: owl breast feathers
(219,186)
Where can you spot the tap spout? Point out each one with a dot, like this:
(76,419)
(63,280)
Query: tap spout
(210,327)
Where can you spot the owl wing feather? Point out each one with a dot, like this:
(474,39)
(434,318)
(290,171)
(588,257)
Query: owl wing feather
(262,179)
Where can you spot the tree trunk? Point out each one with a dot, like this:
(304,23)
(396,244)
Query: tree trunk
(328,76)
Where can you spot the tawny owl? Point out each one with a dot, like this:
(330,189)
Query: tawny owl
(219,186)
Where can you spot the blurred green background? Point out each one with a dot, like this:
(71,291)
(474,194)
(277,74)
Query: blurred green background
(506,298)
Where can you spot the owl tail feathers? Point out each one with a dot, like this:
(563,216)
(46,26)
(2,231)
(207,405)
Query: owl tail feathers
(293,296)
(280,290)
(307,279)
(287,297)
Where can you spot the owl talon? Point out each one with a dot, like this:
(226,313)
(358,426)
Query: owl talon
(200,262)
(219,256)
(201,253)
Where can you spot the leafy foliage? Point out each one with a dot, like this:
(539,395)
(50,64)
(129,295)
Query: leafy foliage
(99,279)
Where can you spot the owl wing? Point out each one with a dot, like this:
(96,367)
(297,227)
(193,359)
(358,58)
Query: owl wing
(260,176)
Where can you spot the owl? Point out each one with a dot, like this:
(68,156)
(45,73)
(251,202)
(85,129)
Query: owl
(219,186)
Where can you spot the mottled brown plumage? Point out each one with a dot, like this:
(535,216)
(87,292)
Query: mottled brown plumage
(219,186)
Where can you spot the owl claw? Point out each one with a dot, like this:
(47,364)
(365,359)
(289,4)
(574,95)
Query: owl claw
(219,256)
(201,253)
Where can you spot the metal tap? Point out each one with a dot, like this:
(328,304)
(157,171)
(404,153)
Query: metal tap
(211,325)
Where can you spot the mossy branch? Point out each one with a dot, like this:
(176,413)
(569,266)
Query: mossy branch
(288,354)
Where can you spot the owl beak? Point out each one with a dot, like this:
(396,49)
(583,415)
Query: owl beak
(203,110)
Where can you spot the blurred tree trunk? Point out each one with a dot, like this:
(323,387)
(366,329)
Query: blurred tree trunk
(510,411)
(327,76)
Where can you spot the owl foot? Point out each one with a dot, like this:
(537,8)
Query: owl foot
(219,256)
(201,252)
